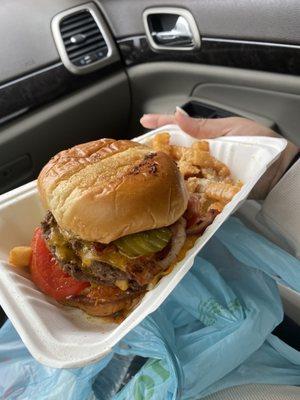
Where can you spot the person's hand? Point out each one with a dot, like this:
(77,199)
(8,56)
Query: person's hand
(202,128)
(233,126)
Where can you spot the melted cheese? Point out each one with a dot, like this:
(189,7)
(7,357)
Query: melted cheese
(87,253)
(62,250)
(110,256)
(122,284)
(113,257)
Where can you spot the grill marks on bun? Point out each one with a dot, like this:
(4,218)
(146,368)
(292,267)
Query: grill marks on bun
(102,190)
(68,162)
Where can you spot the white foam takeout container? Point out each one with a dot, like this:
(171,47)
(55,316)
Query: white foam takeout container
(65,337)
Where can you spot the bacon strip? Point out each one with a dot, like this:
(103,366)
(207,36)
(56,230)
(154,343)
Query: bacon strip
(197,218)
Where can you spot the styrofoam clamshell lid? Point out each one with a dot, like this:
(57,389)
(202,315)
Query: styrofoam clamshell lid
(64,337)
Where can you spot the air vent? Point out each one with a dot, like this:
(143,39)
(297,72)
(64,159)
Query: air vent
(83,39)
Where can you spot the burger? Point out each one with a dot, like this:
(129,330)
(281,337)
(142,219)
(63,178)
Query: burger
(113,225)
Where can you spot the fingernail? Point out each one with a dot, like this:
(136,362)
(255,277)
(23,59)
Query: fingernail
(145,116)
(181,111)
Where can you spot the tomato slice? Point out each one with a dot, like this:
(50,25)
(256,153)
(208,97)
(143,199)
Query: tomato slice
(47,274)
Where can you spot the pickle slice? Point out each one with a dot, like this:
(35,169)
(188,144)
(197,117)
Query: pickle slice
(143,243)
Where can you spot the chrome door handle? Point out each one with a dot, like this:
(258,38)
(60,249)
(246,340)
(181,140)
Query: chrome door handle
(169,39)
(170,28)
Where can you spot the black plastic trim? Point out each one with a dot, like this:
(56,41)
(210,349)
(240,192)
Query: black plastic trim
(259,56)
(197,109)
(34,90)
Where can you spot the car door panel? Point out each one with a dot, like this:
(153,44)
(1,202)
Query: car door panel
(160,87)
(268,21)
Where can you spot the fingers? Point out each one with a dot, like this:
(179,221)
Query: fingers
(197,127)
(152,121)
(202,128)
(206,128)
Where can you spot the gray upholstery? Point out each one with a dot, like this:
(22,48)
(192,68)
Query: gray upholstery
(257,392)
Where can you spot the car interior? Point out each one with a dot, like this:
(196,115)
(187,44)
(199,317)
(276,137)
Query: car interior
(73,71)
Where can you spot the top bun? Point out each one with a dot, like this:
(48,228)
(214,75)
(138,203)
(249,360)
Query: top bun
(105,189)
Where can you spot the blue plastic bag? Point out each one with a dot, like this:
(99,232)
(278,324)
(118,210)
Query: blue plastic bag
(212,332)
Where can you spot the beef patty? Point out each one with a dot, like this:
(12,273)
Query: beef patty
(139,271)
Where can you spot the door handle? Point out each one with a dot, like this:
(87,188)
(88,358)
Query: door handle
(170,28)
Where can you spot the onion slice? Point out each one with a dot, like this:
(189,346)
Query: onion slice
(177,241)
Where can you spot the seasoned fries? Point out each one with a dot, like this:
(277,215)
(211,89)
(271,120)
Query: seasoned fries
(187,169)
(20,256)
(221,191)
(161,143)
(208,180)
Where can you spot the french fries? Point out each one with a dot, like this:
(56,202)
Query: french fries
(161,143)
(20,256)
(221,191)
(205,176)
